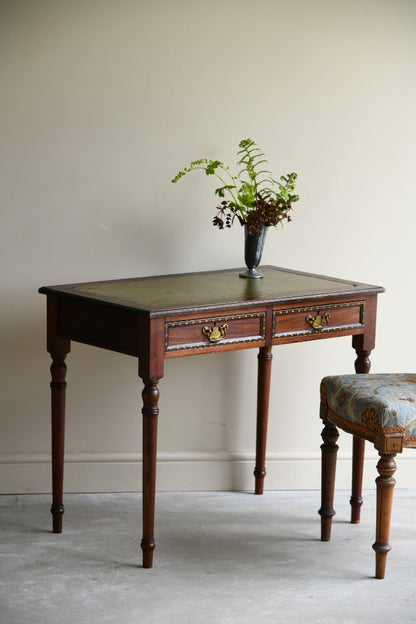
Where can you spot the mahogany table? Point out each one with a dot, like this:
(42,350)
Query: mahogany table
(168,316)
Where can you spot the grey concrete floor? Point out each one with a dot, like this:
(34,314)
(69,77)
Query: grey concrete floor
(221,558)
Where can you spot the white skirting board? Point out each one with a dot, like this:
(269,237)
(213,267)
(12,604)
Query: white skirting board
(194,471)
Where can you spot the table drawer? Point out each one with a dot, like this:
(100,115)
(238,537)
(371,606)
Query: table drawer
(319,319)
(208,333)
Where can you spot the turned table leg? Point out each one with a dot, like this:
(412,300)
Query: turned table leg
(58,349)
(58,390)
(263,392)
(356,500)
(150,414)
(362,366)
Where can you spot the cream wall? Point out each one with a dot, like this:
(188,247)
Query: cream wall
(102,101)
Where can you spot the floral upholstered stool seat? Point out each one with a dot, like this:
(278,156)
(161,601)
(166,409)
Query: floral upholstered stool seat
(378,408)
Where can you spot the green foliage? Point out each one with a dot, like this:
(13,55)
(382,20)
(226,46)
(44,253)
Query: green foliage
(254,196)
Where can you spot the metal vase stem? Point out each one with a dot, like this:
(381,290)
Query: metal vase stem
(253,249)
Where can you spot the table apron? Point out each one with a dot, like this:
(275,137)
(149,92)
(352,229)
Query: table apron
(125,330)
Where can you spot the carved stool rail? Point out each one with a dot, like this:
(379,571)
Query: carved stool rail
(381,409)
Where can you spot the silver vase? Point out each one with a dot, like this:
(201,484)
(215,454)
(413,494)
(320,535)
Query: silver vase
(253,249)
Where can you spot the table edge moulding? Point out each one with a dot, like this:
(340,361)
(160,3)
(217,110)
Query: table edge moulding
(167,316)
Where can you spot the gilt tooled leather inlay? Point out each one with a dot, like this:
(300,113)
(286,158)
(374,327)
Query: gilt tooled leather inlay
(210,289)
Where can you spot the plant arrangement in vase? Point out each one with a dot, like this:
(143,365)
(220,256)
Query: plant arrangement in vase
(252,196)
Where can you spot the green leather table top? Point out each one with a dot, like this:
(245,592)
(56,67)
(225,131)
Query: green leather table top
(211,289)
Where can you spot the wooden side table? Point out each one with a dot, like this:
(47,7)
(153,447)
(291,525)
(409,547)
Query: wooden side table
(169,316)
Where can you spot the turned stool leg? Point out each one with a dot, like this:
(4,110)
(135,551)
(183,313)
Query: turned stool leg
(329,462)
(385,485)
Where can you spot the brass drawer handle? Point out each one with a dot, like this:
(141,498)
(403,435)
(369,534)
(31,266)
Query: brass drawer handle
(214,334)
(318,322)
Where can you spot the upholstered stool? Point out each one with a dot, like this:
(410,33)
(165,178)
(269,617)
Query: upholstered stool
(378,408)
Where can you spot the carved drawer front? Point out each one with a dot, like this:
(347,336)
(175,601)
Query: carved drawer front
(204,333)
(311,320)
